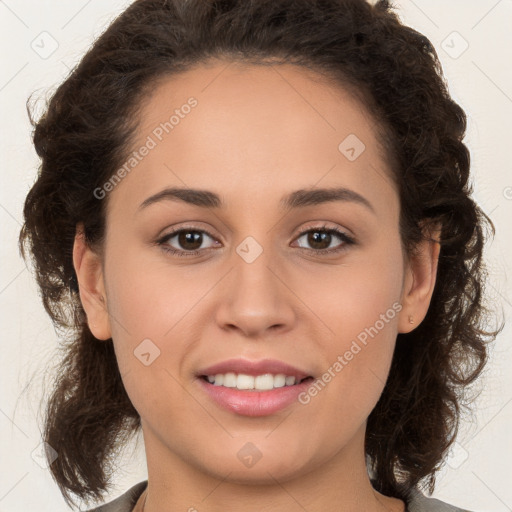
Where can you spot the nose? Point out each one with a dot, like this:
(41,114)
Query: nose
(256,298)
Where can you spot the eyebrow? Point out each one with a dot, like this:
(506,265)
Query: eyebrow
(297,199)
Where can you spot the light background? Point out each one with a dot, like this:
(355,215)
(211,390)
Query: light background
(478,475)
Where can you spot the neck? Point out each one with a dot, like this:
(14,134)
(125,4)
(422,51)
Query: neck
(339,483)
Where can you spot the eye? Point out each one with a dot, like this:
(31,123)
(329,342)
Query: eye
(321,238)
(185,241)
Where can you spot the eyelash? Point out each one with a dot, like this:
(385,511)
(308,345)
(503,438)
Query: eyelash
(347,240)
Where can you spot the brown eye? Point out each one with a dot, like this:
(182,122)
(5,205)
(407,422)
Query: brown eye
(320,240)
(190,240)
(186,242)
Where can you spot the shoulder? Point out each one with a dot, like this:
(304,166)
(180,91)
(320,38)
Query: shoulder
(125,502)
(418,502)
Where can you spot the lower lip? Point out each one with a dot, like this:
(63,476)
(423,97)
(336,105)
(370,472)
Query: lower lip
(254,403)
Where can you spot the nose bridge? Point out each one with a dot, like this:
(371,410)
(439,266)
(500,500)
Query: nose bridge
(255,297)
(253,265)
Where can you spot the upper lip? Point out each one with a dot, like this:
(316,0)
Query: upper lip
(254,368)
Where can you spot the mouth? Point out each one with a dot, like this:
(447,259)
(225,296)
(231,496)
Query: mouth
(254,387)
(264,382)
(246,374)
(249,401)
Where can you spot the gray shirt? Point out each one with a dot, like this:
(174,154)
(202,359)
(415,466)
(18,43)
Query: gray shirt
(418,502)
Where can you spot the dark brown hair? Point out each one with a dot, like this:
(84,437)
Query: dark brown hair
(85,133)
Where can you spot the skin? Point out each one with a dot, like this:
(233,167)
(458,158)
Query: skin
(257,134)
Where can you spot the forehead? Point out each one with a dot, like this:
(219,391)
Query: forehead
(227,126)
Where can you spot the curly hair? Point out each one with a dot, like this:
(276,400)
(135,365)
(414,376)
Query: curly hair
(85,134)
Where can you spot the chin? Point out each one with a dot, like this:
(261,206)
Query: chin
(262,473)
(261,463)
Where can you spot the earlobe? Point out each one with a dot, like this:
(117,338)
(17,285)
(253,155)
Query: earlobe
(89,270)
(419,281)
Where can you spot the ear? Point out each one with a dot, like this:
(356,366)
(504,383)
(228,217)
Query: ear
(419,281)
(89,272)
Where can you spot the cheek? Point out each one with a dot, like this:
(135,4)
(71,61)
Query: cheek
(360,304)
(352,296)
(147,295)
(148,310)
(147,307)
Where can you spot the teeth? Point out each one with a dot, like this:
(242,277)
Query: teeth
(242,381)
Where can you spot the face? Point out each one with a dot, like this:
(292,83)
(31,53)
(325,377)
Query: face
(258,271)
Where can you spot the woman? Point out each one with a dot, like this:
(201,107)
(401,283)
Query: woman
(256,219)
